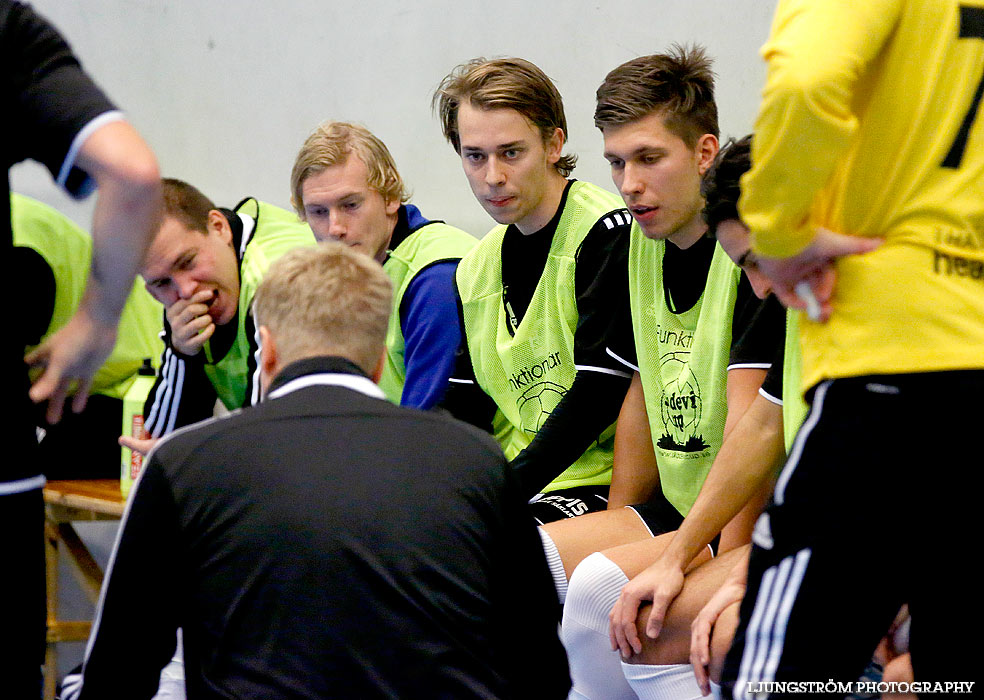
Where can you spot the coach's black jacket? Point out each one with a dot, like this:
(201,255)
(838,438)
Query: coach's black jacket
(327,544)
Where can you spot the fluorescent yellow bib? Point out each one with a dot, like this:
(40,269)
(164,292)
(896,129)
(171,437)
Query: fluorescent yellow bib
(429,244)
(276,232)
(68,251)
(528,372)
(683,362)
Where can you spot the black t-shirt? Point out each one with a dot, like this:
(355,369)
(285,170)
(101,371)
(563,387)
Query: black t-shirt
(761,344)
(47,97)
(758,325)
(601,281)
(772,385)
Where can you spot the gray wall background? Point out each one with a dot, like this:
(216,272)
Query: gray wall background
(226,91)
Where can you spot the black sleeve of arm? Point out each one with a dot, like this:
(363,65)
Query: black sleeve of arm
(759,328)
(595,397)
(55,98)
(182,392)
(143,581)
(771,387)
(465,399)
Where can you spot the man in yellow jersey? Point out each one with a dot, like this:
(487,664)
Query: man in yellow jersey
(346,186)
(539,291)
(868,132)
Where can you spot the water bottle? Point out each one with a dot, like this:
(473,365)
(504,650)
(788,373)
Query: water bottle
(133,419)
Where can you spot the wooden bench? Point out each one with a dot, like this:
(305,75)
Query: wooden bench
(68,502)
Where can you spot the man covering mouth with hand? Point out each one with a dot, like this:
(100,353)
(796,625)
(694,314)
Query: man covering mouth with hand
(204,265)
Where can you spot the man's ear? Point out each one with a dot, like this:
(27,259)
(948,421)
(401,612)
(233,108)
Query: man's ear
(219,225)
(554,146)
(269,358)
(706,151)
(378,372)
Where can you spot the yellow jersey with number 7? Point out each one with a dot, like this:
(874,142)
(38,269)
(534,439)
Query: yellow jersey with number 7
(870,125)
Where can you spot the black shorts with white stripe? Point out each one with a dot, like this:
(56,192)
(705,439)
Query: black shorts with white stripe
(568,503)
(871,511)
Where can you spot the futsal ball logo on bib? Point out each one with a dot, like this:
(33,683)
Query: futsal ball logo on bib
(681,408)
(537,403)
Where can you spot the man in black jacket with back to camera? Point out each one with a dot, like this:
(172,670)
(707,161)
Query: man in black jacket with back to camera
(326,543)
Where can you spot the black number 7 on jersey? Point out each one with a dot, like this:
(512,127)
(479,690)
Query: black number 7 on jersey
(971,27)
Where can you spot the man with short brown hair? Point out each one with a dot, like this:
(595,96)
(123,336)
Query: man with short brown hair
(204,265)
(690,308)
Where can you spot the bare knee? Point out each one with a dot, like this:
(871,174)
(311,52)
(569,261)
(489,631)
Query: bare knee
(672,646)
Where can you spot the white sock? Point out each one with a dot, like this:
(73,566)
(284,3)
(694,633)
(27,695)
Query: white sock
(596,670)
(556,565)
(670,682)
(715,690)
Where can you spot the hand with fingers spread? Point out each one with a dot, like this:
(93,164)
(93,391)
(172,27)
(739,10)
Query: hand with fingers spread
(814,265)
(731,591)
(190,322)
(71,355)
(660,583)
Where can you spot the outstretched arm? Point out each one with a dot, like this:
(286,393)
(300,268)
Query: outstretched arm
(125,171)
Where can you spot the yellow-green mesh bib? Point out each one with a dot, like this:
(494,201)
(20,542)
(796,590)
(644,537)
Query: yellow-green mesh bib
(432,243)
(683,362)
(528,373)
(276,232)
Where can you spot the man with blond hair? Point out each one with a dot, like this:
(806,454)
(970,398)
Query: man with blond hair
(539,292)
(299,560)
(346,186)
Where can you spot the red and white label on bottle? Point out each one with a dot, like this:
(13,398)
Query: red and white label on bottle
(136,459)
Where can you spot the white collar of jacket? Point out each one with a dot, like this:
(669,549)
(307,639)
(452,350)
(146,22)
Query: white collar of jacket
(350,381)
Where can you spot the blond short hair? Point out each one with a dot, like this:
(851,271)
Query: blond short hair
(330,144)
(326,300)
(503,83)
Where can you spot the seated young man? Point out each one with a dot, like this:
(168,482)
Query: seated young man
(539,291)
(289,540)
(656,661)
(346,186)
(656,640)
(204,266)
(689,302)
(52,256)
